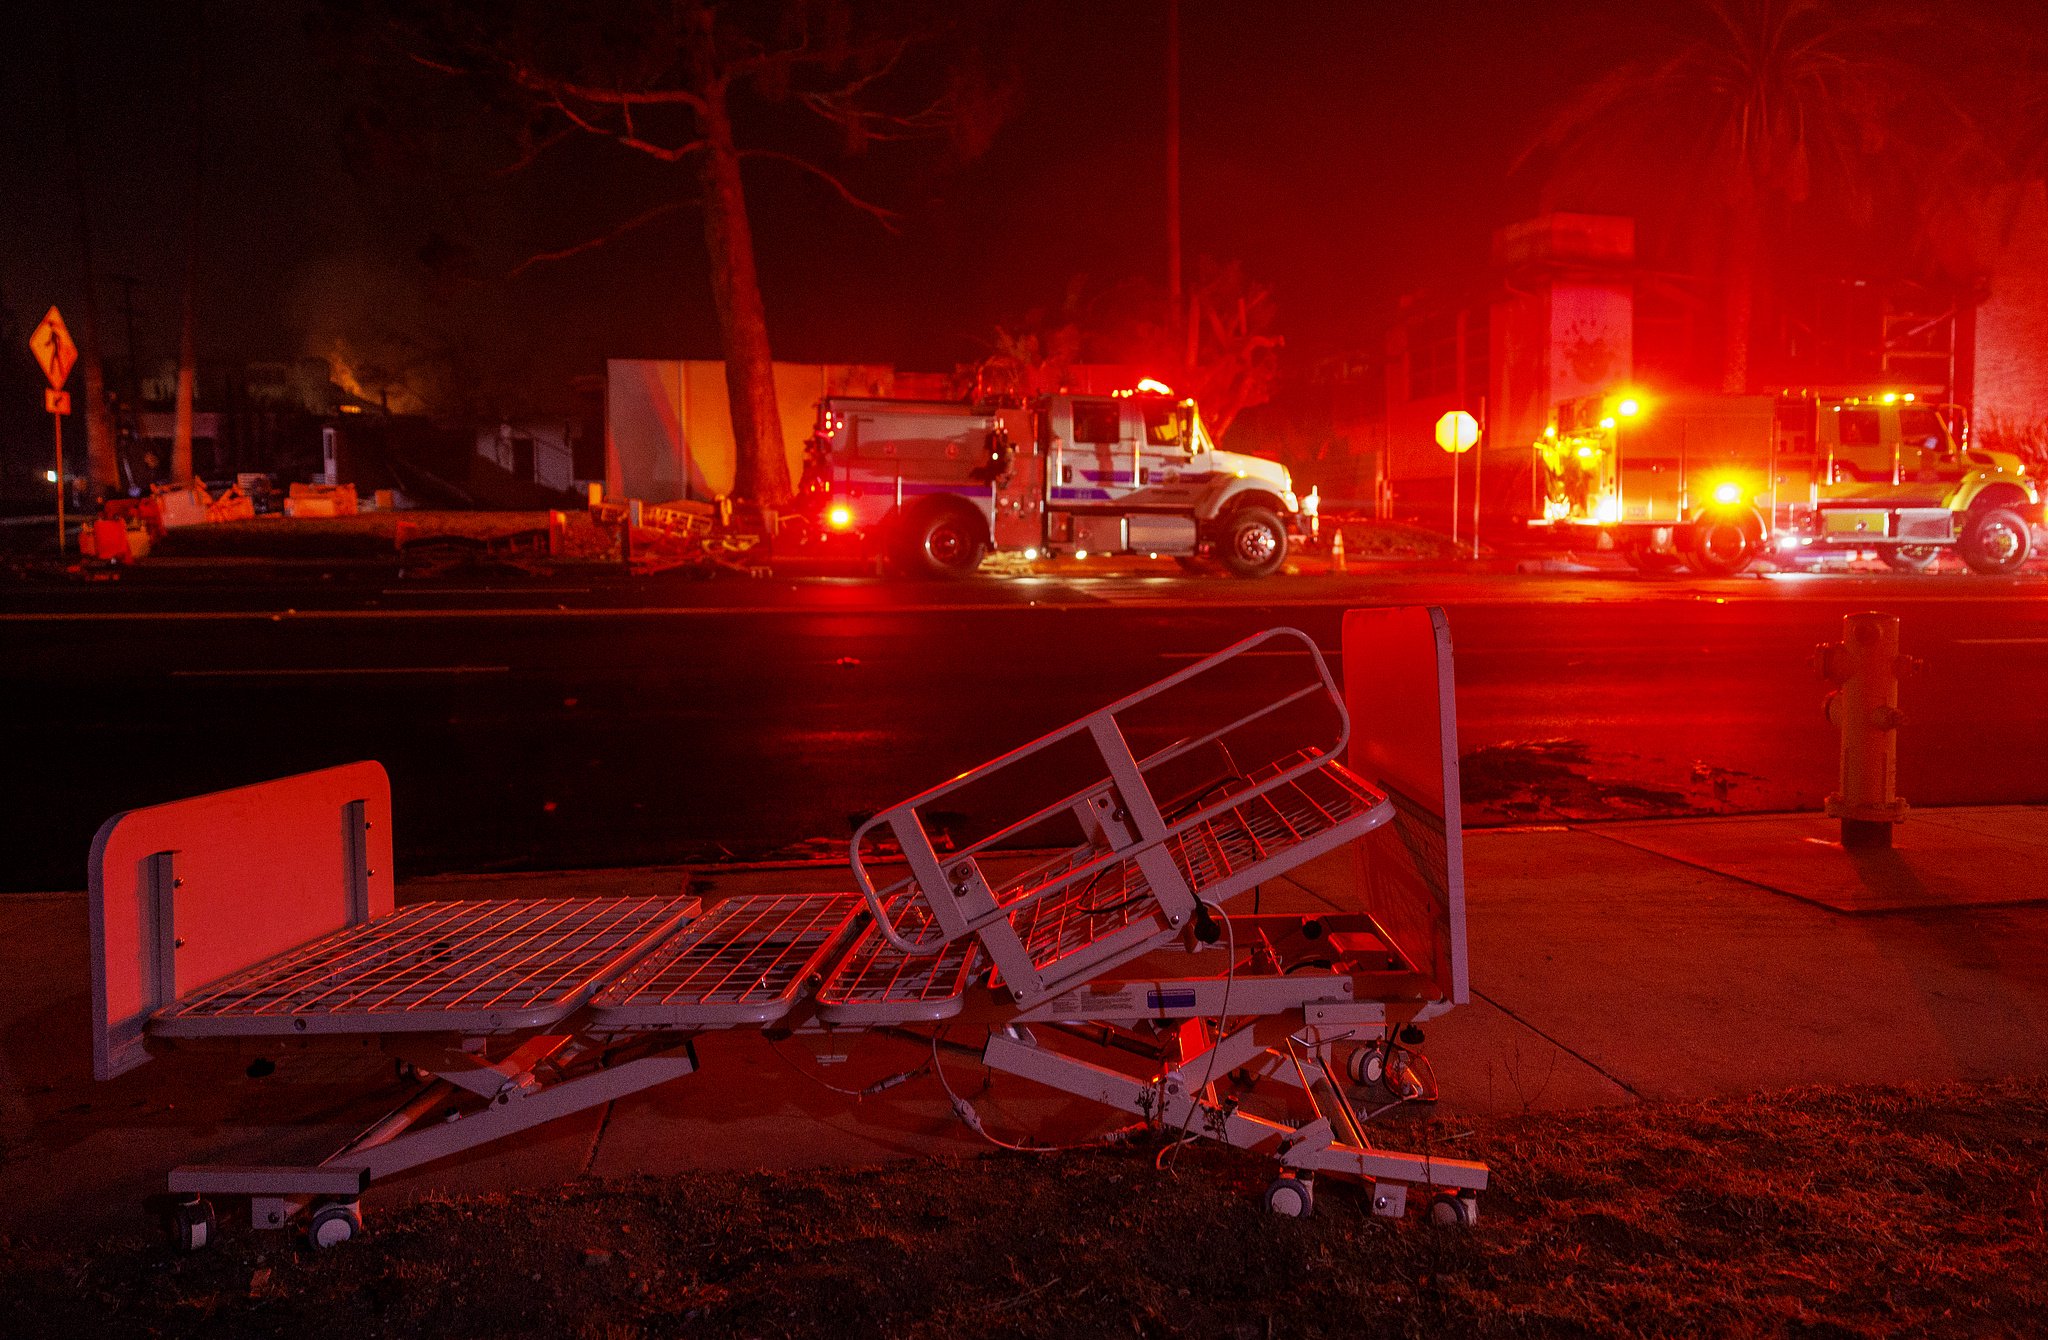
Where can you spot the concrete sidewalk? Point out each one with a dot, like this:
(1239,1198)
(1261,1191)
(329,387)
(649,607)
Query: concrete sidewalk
(1612,963)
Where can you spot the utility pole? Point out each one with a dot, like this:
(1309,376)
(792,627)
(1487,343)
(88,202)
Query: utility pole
(188,351)
(102,462)
(1478,469)
(1176,311)
(128,283)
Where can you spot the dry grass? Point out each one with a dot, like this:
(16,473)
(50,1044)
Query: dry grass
(1820,1212)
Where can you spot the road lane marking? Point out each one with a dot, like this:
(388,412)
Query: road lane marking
(1603,600)
(592,612)
(1246,655)
(256,673)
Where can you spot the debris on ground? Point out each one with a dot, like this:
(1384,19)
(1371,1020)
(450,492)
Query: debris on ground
(686,535)
(1562,779)
(1819,1212)
(364,535)
(1367,538)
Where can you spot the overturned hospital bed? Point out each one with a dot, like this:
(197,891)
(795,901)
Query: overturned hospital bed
(1095,926)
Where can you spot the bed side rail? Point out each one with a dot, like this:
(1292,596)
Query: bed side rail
(184,894)
(1116,805)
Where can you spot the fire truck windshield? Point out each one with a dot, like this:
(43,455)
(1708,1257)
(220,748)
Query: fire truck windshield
(1170,425)
(1164,426)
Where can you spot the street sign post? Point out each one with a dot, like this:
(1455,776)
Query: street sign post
(1456,431)
(52,346)
(1478,470)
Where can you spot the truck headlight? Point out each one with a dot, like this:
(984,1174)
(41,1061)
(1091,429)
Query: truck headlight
(1727,494)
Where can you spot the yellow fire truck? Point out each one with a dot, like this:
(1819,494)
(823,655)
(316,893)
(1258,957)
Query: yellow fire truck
(1716,482)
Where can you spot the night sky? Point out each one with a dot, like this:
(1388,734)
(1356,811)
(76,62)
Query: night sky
(1344,153)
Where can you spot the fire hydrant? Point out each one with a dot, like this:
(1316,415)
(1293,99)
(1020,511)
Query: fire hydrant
(1865,708)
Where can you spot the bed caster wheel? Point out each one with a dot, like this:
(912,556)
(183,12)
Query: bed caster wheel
(333,1224)
(1453,1211)
(1291,1196)
(1367,1066)
(191,1225)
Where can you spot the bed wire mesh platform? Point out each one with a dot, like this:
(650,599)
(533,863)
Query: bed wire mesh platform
(743,962)
(1126,968)
(467,966)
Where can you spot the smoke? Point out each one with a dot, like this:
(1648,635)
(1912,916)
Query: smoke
(368,319)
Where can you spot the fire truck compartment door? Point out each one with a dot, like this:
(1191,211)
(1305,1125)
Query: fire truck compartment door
(1019,521)
(925,444)
(1158,534)
(1926,523)
(1101,532)
(1844,523)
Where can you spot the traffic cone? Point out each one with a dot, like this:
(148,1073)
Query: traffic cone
(1337,553)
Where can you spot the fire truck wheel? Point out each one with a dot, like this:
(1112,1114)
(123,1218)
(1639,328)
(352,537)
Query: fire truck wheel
(1995,541)
(943,541)
(1911,557)
(1252,542)
(1721,547)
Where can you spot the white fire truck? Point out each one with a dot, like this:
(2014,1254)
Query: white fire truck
(938,484)
(1717,482)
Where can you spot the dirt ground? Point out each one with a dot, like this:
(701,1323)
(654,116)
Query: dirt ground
(1863,1212)
(1521,780)
(365,535)
(1367,538)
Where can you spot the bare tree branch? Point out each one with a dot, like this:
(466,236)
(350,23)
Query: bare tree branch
(534,82)
(661,151)
(886,127)
(886,217)
(430,63)
(580,122)
(532,153)
(593,243)
(889,50)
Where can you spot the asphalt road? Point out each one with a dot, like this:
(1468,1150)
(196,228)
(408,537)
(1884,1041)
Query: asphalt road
(563,723)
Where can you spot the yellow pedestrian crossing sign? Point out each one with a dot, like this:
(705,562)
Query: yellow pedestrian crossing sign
(52,346)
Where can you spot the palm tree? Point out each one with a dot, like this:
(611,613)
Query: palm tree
(1742,111)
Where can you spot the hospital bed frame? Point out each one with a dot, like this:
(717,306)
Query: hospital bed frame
(1123,969)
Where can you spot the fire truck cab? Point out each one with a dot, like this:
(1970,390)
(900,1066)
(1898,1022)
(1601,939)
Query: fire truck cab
(938,484)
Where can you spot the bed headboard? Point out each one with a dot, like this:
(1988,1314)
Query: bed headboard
(187,893)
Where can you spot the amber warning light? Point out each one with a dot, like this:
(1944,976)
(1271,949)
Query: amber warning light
(839,516)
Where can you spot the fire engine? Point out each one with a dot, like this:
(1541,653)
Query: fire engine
(1717,482)
(936,485)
